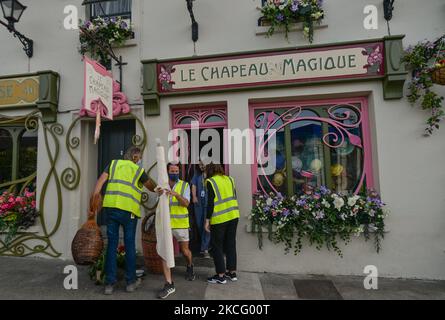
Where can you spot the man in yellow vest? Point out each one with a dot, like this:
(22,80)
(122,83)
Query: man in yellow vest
(179,219)
(122,200)
(222,221)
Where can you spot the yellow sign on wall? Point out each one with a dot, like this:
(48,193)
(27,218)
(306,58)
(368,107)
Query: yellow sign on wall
(19,91)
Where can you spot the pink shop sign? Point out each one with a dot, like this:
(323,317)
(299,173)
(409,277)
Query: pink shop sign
(98,89)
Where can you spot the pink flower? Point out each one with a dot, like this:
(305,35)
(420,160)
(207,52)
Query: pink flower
(33,204)
(29,194)
(165,76)
(274,213)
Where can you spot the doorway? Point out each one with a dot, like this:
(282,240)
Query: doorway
(115,138)
(209,117)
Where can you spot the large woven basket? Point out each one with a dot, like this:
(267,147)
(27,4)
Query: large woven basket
(88,244)
(152,260)
(438,76)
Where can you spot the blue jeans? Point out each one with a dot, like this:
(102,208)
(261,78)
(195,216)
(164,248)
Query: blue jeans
(200,214)
(116,218)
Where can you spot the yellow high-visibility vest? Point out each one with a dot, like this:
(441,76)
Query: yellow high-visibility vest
(179,215)
(225,202)
(124,191)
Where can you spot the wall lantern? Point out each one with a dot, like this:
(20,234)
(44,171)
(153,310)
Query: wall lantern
(194,23)
(12,12)
(388,7)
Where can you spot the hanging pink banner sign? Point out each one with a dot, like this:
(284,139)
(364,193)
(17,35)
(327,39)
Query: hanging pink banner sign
(98,89)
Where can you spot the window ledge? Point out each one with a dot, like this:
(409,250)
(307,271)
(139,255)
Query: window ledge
(128,43)
(262,30)
(274,228)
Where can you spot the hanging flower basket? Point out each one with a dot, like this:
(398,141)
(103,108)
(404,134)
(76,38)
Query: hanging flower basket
(103,33)
(426,60)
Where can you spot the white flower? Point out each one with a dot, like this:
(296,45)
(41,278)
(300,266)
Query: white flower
(325,204)
(269,201)
(352,200)
(338,203)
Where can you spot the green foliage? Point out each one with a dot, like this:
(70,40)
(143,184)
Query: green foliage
(97,270)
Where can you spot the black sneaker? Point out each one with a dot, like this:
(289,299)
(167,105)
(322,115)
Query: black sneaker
(190,273)
(168,289)
(231,276)
(217,279)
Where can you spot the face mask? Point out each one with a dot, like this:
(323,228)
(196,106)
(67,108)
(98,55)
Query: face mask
(173,176)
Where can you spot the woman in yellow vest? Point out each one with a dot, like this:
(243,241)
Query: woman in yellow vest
(222,221)
(125,179)
(179,219)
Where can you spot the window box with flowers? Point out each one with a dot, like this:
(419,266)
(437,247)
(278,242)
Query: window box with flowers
(103,33)
(17,213)
(284,15)
(321,216)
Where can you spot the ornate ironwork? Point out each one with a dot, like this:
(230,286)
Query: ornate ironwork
(29,243)
(71,176)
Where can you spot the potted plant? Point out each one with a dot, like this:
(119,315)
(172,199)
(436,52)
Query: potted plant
(103,33)
(321,216)
(97,270)
(284,13)
(17,212)
(426,60)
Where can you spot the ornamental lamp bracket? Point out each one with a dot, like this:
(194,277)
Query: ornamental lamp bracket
(195,35)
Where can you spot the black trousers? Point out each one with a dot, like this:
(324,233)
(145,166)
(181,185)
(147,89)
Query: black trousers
(223,242)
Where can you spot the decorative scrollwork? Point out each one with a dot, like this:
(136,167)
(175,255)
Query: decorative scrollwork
(71,176)
(137,140)
(29,243)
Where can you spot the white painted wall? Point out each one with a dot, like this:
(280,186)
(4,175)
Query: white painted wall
(408,167)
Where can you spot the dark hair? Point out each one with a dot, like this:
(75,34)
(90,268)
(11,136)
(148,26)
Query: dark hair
(177,164)
(213,169)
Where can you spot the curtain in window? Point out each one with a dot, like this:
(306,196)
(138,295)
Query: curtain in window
(112,8)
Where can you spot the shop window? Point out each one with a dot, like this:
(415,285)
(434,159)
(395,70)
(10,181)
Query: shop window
(27,154)
(5,156)
(18,156)
(109,9)
(316,145)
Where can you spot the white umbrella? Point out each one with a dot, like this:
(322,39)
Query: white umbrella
(164,238)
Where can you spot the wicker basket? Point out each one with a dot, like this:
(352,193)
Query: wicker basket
(438,76)
(88,244)
(152,260)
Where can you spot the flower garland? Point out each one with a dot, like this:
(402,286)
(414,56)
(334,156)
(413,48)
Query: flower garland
(282,13)
(321,216)
(422,59)
(17,212)
(106,31)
